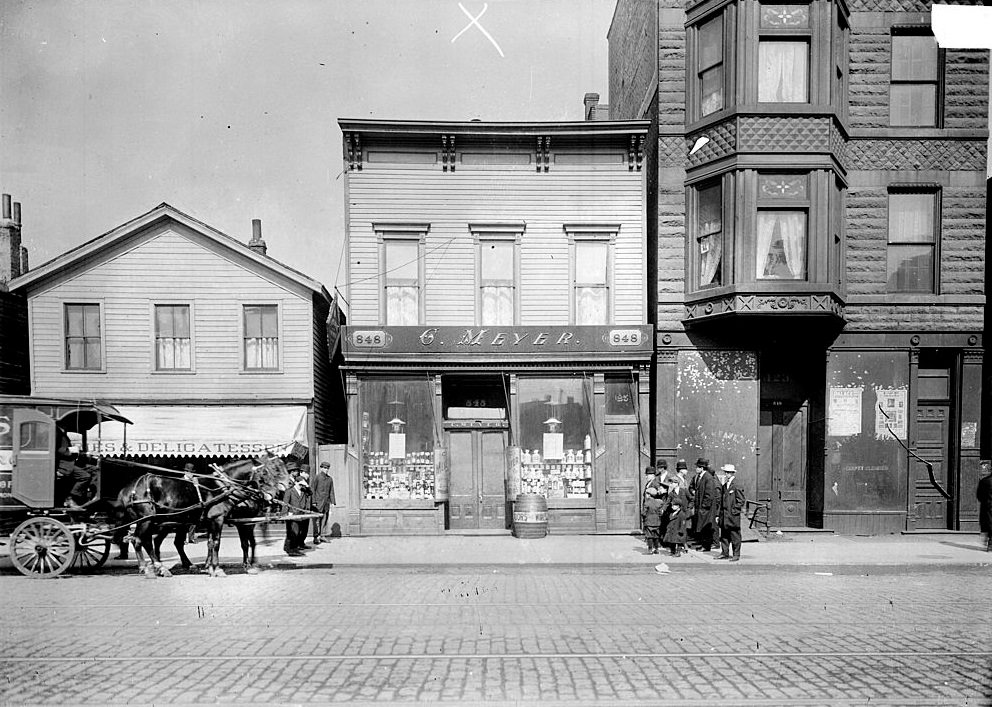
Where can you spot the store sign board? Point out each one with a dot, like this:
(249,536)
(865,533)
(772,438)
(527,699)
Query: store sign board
(498,340)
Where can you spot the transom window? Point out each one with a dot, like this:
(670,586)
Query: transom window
(261,337)
(709,47)
(497,281)
(912,241)
(915,80)
(783,208)
(172,337)
(83,338)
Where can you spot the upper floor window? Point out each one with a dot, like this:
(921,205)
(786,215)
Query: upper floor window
(173,350)
(83,338)
(915,86)
(497,281)
(912,241)
(709,50)
(401,280)
(261,337)
(783,54)
(591,286)
(783,213)
(709,234)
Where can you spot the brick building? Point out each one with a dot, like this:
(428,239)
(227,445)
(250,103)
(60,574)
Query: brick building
(817,205)
(13,308)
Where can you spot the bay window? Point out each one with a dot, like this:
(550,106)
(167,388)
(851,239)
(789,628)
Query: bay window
(709,234)
(780,238)
(710,80)
(783,54)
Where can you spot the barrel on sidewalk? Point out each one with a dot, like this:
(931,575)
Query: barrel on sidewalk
(530,516)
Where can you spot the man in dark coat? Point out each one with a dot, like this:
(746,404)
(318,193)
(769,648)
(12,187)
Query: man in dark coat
(984,496)
(323,499)
(731,505)
(707,504)
(297,501)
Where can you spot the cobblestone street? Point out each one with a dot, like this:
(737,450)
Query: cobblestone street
(539,635)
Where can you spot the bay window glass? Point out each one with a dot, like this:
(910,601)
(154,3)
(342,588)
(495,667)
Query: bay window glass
(709,234)
(914,88)
(710,74)
(83,340)
(497,281)
(591,289)
(783,71)
(556,436)
(172,337)
(781,238)
(261,336)
(912,242)
(402,282)
(397,438)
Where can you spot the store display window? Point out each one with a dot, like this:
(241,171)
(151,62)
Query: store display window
(555,436)
(398,433)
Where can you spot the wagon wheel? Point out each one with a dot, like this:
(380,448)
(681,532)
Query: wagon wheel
(91,552)
(42,547)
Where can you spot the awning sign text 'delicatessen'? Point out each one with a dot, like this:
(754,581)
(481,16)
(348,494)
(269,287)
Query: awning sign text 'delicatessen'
(498,340)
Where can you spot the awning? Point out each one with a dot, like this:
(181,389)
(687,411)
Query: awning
(203,431)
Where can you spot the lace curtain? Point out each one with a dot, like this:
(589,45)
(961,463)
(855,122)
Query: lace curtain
(789,229)
(402,306)
(782,72)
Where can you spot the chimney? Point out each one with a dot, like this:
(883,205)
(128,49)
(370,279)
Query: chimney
(256,243)
(10,243)
(591,100)
(24,260)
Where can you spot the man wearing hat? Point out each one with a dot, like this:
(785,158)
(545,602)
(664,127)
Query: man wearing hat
(706,504)
(984,496)
(731,505)
(322,500)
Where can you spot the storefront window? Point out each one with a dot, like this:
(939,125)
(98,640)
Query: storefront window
(867,417)
(398,433)
(555,436)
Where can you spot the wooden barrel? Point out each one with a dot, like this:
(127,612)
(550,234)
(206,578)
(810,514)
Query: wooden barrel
(530,516)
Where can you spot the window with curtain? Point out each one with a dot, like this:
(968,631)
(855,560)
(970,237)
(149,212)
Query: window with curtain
(591,287)
(709,234)
(783,71)
(781,239)
(912,242)
(915,78)
(261,337)
(497,281)
(402,282)
(709,50)
(172,337)
(83,342)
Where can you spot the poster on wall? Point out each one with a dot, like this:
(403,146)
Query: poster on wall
(969,433)
(890,413)
(554,444)
(845,411)
(397,445)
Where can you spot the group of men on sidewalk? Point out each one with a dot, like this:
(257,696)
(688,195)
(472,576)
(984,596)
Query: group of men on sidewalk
(701,509)
(300,498)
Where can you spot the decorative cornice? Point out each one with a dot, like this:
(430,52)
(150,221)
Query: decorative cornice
(777,304)
(353,143)
(447,153)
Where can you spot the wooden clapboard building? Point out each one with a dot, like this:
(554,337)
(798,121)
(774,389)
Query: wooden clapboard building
(209,346)
(497,339)
(817,220)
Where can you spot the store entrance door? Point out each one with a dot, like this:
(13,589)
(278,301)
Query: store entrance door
(782,462)
(932,432)
(622,453)
(477,492)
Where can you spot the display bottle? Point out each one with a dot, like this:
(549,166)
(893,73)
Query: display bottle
(535,457)
(525,457)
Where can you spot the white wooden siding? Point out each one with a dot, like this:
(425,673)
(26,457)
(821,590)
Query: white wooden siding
(450,201)
(171,266)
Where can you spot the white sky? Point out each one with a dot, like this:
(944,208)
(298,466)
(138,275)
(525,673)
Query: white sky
(227,109)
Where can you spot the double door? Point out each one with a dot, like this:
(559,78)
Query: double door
(477,482)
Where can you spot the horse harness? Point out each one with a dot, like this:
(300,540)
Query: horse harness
(239,492)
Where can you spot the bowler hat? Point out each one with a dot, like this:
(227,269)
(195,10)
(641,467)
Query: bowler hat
(729,468)
(662,464)
(703,462)
(650,470)
(680,464)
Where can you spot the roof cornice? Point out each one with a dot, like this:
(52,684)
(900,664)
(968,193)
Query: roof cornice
(439,127)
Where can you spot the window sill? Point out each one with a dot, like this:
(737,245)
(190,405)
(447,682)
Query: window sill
(85,372)
(262,372)
(157,372)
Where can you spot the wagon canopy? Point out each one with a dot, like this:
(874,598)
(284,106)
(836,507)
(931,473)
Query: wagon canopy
(71,415)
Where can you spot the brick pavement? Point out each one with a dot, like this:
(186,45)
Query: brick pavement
(391,636)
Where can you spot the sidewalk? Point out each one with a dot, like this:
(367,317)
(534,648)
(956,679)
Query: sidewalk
(618,552)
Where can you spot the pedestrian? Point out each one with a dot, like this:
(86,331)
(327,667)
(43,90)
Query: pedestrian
(650,480)
(651,511)
(675,536)
(731,505)
(984,495)
(706,504)
(296,502)
(323,499)
(307,502)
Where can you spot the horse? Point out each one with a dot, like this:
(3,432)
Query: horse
(155,505)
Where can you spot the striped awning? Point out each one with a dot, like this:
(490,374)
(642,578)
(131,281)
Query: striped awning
(202,431)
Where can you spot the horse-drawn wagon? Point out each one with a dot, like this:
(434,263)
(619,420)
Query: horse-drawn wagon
(45,538)
(51,529)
